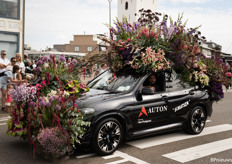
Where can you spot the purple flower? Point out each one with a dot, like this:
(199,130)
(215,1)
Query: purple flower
(51,56)
(38,69)
(45,59)
(51,99)
(74,61)
(48,105)
(49,60)
(40,99)
(56,97)
(39,62)
(32,104)
(62,59)
(213,57)
(58,107)
(42,103)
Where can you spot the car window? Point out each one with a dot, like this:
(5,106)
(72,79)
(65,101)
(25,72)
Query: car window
(174,82)
(157,85)
(109,81)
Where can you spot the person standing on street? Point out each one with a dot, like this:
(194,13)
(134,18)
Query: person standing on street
(4,62)
(21,65)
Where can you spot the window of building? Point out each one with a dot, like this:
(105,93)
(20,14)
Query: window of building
(77,48)
(126,6)
(10,9)
(10,43)
(89,49)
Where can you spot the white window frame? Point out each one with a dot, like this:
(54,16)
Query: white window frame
(76,48)
(89,48)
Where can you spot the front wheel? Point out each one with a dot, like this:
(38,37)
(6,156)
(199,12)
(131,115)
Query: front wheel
(107,136)
(196,121)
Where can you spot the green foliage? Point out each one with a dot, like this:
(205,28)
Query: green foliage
(76,126)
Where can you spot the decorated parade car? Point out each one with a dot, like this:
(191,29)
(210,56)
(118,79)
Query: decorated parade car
(126,107)
(158,79)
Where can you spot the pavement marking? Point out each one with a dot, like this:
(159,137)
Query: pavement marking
(119,161)
(164,139)
(125,157)
(200,151)
(4,119)
(3,124)
(85,156)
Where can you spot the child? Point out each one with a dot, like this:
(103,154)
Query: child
(8,98)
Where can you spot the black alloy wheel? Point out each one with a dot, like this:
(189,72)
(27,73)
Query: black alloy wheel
(196,121)
(107,136)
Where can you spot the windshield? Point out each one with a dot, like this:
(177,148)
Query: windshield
(110,82)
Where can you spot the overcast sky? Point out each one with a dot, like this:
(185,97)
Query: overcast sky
(51,22)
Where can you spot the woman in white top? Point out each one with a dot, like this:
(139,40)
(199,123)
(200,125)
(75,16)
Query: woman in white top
(20,63)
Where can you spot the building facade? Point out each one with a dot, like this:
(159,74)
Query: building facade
(211,49)
(12,26)
(128,8)
(80,44)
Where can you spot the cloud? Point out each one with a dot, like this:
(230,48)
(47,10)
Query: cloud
(190,1)
(215,24)
(55,21)
(51,22)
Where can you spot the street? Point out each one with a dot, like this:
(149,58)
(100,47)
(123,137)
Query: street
(213,145)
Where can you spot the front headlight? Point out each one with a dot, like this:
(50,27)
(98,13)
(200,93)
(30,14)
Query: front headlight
(87,110)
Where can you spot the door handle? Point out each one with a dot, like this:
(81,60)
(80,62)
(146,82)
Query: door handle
(164,98)
(191,92)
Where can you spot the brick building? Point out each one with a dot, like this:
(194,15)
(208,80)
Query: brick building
(80,44)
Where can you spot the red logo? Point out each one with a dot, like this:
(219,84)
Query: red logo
(143,111)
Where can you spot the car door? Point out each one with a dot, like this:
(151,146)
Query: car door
(180,96)
(149,109)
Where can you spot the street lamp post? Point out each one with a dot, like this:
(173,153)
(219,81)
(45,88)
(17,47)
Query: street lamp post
(109,15)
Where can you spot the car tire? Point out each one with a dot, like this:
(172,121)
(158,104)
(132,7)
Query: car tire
(196,121)
(107,136)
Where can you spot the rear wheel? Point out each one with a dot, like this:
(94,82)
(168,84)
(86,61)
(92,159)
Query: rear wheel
(196,121)
(107,136)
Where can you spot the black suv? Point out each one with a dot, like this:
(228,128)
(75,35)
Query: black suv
(124,108)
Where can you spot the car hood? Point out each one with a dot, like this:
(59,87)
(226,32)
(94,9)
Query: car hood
(94,96)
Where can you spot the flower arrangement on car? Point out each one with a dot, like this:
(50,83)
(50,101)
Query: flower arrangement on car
(46,114)
(153,45)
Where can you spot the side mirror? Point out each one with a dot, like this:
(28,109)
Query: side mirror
(147,91)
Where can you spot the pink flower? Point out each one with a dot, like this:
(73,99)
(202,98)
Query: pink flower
(44,82)
(135,66)
(82,86)
(148,50)
(228,74)
(195,65)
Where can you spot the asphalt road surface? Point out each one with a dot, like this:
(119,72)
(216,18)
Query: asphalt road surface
(213,145)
